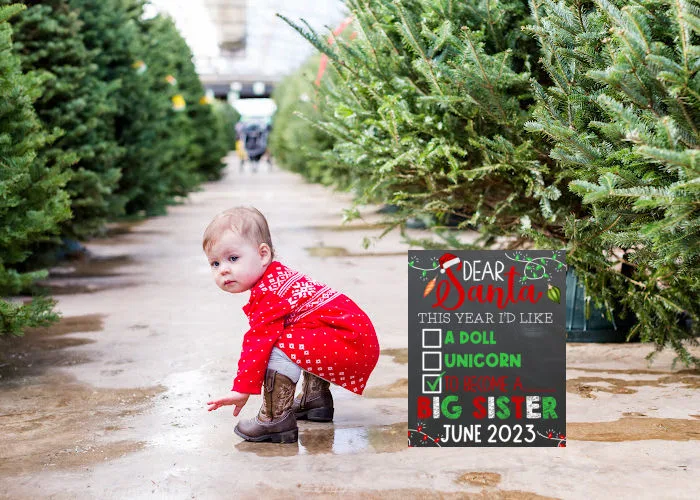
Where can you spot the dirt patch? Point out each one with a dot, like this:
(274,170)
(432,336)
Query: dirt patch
(479,478)
(584,386)
(400,355)
(304,492)
(634,429)
(56,422)
(41,348)
(398,389)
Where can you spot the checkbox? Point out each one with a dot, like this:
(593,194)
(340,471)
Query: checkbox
(432,361)
(432,383)
(432,338)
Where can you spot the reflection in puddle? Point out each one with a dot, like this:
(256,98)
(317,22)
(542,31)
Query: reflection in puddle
(269,449)
(335,440)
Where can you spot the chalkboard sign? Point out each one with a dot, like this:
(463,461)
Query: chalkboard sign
(486,349)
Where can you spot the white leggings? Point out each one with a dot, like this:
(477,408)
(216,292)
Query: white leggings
(281,363)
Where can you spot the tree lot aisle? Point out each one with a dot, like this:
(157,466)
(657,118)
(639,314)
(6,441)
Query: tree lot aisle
(632,428)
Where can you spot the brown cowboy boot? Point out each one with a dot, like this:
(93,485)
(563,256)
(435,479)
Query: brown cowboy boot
(315,402)
(275,421)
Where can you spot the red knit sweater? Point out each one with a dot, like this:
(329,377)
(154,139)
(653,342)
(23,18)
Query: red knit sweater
(321,330)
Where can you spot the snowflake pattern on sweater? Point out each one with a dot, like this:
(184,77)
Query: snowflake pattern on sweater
(321,330)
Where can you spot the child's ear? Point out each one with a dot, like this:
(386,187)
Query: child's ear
(265,252)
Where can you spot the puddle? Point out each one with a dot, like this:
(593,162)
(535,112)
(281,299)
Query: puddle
(269,449)
(327,251)
(81,286)
(323,251)
(582,385)
(479,478)
(70,324)
(123,227)
(92,267)
(398,389)
(400,355)
(42,348)
(335,440)
(119,229)
(59,423)
(88,275)
(634,429)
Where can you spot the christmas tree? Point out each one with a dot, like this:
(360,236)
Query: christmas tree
(294,141)
(161,137)
(623,114)
(33,202)
(47,36)
(148,125)
(427,106)
(209,144)
(227,117)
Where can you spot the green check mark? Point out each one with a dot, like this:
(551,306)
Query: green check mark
(433,385)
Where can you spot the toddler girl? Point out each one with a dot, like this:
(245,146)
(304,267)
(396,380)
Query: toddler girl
(297,324)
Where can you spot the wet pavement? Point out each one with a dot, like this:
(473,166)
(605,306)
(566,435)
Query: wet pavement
(110,402)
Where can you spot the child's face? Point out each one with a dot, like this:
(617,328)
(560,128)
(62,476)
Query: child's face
(237,264)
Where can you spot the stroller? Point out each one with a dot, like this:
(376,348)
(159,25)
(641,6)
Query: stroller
(254,138)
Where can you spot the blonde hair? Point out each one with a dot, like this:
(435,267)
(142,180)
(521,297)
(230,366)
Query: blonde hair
(246,221)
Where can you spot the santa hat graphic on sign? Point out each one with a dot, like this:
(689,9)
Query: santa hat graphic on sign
(449,260)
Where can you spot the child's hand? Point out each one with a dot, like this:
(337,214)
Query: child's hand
(237,398)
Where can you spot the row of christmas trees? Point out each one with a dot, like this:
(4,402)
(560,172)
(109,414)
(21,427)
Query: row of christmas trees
(102,115)
(561,124)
